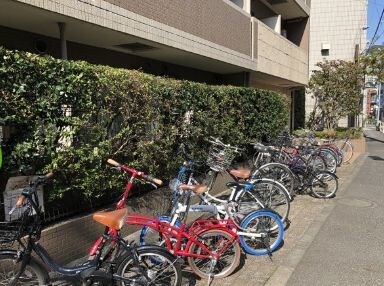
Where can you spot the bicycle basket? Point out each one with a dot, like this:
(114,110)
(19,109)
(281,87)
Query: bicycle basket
(220,158)
(13,226)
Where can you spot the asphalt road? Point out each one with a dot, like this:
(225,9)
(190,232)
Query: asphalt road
(349,247)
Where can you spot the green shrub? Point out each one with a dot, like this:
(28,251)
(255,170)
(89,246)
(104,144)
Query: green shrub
(136,118)
(339,133)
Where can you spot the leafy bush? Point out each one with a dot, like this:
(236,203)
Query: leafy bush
(136,118)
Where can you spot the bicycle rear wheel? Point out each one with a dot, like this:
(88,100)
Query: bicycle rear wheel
(154,266)
(261,223)
(9,267)
(324,184)
(216,241)
(278,172)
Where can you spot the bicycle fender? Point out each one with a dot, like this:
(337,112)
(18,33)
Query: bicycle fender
(331,174)
(155,247)
(218,227)
(261,210)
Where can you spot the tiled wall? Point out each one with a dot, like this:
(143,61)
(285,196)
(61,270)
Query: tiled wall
(212,20)
(338,23)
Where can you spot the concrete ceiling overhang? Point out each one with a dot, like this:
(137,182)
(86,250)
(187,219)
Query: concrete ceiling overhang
(263,78)
(288,9)
(28,18)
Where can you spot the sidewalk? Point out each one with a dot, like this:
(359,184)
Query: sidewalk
(307,215)
(348,248)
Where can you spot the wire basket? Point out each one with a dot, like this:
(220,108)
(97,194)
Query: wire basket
(220,157)
(13,226)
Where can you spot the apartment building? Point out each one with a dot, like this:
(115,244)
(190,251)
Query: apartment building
(259,43)
(338,32)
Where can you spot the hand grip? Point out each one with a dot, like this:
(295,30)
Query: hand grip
(157,182)
(113,163)
(20,201)
(153,180)
(48,176)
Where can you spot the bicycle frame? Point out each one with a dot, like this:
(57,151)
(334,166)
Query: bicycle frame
(168,230)
(190,234)
(30,244)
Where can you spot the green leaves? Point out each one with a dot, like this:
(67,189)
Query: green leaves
(133,117)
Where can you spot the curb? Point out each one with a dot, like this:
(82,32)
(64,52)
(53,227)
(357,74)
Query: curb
(283,272)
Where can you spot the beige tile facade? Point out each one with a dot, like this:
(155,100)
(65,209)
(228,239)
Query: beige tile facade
(338,24)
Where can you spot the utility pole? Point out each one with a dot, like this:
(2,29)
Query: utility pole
(378,106)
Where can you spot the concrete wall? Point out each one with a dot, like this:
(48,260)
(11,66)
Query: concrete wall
(279,57)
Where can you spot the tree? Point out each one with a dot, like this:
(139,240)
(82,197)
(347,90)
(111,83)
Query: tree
(373,62)
(336,87)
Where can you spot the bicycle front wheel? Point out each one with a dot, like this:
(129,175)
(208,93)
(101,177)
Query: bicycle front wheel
(217,241)
(153,266)
(261,223)
(329,159)
(324,184)
(347,151)
(10,266)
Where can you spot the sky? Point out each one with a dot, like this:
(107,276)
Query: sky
(375,7)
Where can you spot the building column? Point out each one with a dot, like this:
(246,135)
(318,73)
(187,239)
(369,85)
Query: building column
(247,6)
(63,41)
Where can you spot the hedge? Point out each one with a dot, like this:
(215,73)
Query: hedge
(338,133)
(133,117)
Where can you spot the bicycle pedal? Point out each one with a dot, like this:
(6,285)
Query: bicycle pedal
(180,260)
(132,243)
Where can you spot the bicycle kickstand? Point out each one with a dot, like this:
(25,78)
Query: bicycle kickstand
(210,276)
(210,279)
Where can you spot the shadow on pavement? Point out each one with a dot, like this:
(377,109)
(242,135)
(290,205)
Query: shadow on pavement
(376,158)
(373,139)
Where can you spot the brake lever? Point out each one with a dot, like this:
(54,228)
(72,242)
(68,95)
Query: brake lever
(116,168)
(12,210)
(153,185)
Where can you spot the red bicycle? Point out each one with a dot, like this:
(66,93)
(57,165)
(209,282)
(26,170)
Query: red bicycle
(211,246)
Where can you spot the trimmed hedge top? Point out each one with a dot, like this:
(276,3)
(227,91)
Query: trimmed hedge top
(71,116)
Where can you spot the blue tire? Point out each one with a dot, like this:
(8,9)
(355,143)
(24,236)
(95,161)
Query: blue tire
(262,222)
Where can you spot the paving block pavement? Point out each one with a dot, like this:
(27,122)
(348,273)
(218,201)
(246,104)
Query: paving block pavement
(306,215)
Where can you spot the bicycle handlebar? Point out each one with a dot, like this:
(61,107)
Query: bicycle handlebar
(135,172)
(113,163)
(28,191)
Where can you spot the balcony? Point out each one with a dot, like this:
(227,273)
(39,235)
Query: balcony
(277,56)
(288,9)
